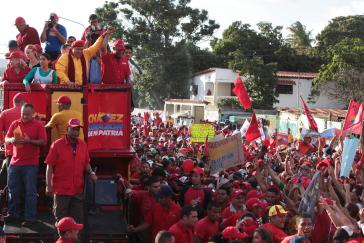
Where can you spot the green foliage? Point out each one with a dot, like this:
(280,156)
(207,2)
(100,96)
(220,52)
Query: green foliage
(163,33)
(299,38)
(229,102)
(346,68)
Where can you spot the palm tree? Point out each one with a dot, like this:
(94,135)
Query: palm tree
(299,38)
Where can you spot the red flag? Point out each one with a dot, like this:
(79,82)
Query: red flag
(206,149)
(253,130)
(350,117)
(146,117)
(240,91)
(354,119)
(311,120)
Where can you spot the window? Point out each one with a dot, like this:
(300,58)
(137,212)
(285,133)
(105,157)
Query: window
(231,90)
(284,89)
(195,89)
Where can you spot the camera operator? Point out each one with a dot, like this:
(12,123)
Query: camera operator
(93,31)
(54,35)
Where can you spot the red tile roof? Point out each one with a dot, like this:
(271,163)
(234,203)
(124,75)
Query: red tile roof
(288,74)
(317,111)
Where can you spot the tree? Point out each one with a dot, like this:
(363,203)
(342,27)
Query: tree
(299,38)
(338,29)
(343,76)
(162,33)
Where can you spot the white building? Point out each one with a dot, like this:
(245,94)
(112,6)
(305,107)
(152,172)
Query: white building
(211,85)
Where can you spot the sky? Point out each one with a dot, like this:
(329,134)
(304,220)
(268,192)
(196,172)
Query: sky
(315,14)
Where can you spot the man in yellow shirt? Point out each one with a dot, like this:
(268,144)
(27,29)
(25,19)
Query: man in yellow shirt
(72,67)
(60,119)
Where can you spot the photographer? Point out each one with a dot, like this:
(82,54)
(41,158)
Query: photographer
(54,35)
(93,31)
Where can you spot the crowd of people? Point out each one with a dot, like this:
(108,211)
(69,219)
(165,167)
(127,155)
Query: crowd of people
(66,60)
(287,192)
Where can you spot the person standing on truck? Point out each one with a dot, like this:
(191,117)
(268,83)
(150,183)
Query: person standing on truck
(72,67)
(67,161)
(68,230)
(60,119)
(26,135)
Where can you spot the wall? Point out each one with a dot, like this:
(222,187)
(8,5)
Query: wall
(303,88)
(223,89)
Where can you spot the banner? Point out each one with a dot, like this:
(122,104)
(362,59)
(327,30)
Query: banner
(200,131)
(107,120)
(311,121)
(354,119)
(225,153)
(350,145)
(37,99)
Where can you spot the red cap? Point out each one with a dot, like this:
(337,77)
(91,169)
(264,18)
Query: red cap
(254,202)
(232,232)
(19,20)
(198,170)
(15,54)
(247,185)
(19,97)
(67,224)
(236,183)
(322,165)
(78,43)
(254,193)
(65,100)
(236,193)
(55,16)
(187,165)
(119,44)
(74,122)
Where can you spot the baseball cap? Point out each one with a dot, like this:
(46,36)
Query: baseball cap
(198,170)
(78,43)
(64,100)
(187,165)
(15,54)
(237,192)
(277,210)
(19,20)
(119,44)
(74,122)
(232,232)
(165,191)
(19,97)
(68,223)
(254,202)
(255,193)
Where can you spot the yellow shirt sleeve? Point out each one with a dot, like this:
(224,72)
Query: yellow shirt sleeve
(53,121)
(62,69)
(91,51)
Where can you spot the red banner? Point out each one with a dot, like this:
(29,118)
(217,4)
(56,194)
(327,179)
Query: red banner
(354,119)
(37,99)
(311,121)
(108,120)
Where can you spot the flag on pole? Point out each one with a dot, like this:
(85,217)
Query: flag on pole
(240,91)
(311,120)
(354,119)
(253,129)
(206,149)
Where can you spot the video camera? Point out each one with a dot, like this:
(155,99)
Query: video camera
(93,34)
(51,22)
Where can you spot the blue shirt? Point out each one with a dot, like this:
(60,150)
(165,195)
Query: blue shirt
(94,71)
(53,44)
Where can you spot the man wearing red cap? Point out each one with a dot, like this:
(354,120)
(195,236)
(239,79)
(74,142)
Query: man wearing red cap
(60,119)
(16,70)
(115,67)
(72,67)
(6,118)
(26,135)
(235,210)
(67,161)
(27,35)
(54,35)
(68,230)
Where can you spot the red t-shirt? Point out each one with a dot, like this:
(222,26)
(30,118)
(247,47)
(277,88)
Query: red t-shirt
(229,217)
(181,233)
(26,154)
(68,167)
(324,230)
(304,148)
(15,78)
(6,118)
(163,218)
(277,233)
(194,194)
(114,71)
(61,240)
(28,36)
(145,200)
(205,229)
